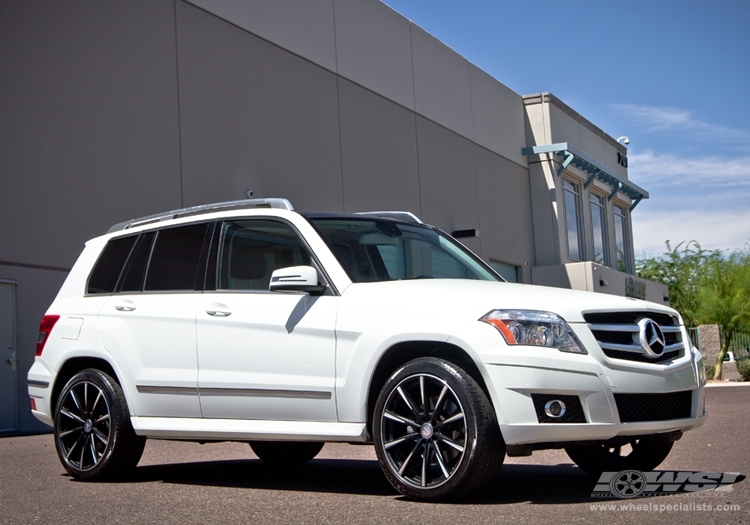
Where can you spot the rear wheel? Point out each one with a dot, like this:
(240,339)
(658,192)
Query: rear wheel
(93,434)
(286,452)
(435,432)
(639,454)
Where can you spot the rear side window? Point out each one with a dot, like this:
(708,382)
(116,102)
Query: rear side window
(103,278)
(175,258)
(132,277)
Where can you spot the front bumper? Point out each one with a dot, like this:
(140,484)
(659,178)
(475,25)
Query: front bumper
(515,375)
(519,423)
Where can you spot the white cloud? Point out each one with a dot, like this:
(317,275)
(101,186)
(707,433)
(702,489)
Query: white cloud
(661,169)
(655,119)
(715,230)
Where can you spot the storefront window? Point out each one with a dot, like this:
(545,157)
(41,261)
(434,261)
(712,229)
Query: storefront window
(598,229)
(621,238)
(573,219)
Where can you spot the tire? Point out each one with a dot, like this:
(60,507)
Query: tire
(93,434)
(595,459)
(286,452)
(435,432)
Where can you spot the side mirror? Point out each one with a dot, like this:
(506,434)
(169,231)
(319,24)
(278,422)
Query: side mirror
(296,279)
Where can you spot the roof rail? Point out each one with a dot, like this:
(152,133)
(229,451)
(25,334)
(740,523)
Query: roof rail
(283,204)
(405,216)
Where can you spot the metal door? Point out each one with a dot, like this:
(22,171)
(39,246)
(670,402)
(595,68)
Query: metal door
(8,357)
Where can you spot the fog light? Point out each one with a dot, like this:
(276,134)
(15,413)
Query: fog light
(554,408)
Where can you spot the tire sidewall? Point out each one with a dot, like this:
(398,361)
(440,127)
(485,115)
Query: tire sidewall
(449,373)
(106,385)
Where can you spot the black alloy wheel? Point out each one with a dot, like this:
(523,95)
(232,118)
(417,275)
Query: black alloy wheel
(93,434)
(435,432)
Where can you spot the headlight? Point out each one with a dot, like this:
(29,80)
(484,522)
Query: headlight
(534,328)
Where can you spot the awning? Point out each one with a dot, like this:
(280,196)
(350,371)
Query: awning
(595,169)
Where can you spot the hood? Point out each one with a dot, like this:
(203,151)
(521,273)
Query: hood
(472,299)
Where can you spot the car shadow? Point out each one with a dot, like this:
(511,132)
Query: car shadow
(517,483)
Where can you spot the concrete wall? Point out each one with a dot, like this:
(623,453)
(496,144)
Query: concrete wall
(113,110)
(594,277)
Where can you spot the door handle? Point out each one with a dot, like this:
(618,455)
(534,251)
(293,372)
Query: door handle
(218,310)
(12,360)
(125,306)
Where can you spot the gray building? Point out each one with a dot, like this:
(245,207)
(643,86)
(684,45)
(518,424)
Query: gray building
(112,110)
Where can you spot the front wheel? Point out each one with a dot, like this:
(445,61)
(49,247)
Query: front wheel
(93,434)
(639,454)
(435,432)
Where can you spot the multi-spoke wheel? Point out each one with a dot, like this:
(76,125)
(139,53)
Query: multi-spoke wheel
(286,452)
(93,435)
(639,454)
(435,432)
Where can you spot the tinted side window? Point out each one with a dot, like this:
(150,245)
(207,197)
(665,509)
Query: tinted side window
(132,279)
(103,278)
(252,249)
(175,258)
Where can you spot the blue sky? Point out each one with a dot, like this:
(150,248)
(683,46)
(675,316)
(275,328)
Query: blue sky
(674,76)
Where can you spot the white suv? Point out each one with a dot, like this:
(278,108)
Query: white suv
(249,321)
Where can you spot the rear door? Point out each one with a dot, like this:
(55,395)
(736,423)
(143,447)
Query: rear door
(149,323)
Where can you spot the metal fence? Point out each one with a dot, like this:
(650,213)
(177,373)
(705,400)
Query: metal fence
(740,345)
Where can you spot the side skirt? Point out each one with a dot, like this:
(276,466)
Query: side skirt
(243,430)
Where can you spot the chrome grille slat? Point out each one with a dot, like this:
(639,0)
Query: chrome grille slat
(618,335)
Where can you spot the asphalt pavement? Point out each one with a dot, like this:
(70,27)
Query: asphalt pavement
(187,483)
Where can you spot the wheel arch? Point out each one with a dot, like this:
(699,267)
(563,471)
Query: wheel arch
(71,367)
(403,352)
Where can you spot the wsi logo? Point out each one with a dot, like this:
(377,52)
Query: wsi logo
(634,483)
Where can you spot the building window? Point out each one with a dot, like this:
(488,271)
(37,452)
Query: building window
(572,194)
(598,229)
(508,271)
(621,238)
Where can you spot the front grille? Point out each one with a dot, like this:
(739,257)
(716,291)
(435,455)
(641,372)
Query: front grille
(618,335)
(573,409)
(629,318)
(654,407)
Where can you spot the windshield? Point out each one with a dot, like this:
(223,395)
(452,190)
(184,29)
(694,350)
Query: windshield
(384,250)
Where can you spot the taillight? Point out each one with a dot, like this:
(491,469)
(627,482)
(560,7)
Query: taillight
(45,327)
(33,403)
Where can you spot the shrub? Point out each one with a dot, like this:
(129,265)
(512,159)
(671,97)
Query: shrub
(710,369)
(743,365)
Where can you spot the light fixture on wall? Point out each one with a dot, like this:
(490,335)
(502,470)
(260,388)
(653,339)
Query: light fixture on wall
(249,194)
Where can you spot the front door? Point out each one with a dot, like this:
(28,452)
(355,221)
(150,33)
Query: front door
(264,355)
(9,358)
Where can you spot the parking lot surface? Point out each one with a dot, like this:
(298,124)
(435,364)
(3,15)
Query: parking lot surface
(179,482)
